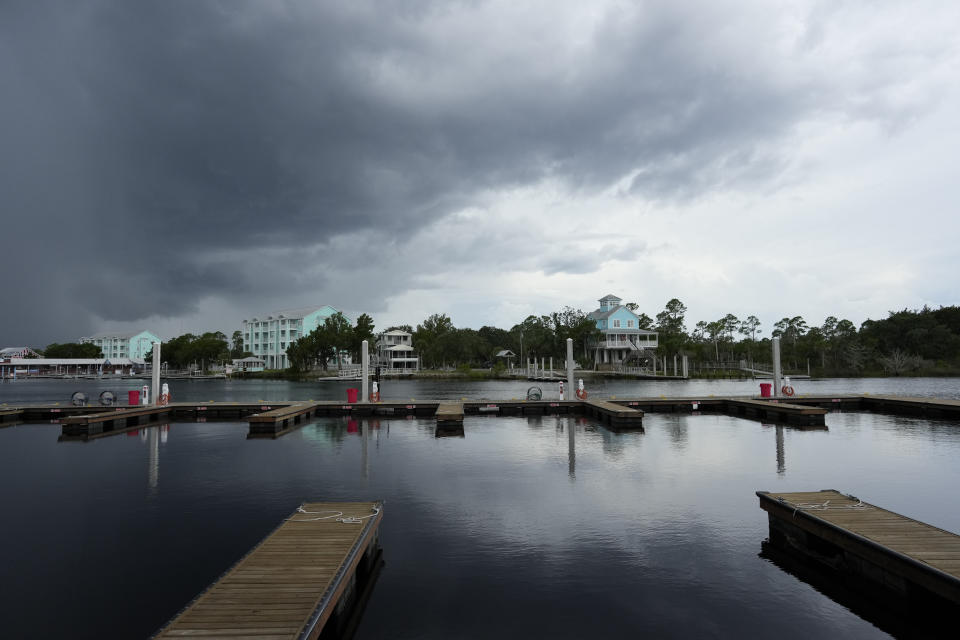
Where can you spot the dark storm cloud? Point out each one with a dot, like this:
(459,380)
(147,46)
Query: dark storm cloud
(152,150)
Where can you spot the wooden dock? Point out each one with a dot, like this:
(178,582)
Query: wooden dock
(450,413)
(779,411)
(615,415)
(115,420)
(914,559)
(10,416)
(288,585)
(281,420)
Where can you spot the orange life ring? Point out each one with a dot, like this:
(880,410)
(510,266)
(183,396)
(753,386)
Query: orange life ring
(787,390)
(582,394)
(375,397)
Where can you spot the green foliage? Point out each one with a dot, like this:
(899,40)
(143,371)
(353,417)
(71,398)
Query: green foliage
(323,344)
(236,349)
(72,350)
(189,349)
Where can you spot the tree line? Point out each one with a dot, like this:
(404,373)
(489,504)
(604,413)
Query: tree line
(908,341)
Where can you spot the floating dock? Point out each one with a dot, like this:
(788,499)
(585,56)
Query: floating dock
(291,583)
(615,415)
(276,418)
(9,416)
(913,559)
(281,420)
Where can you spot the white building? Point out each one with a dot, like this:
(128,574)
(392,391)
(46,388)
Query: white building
(118,344)
(267,337)
(395,350)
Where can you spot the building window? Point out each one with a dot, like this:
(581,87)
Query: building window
(629,324)
(616,324)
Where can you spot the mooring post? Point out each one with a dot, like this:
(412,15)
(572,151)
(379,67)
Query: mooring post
(674,365)
(156,373)
(568,391)
(686,367)
(364,370)
(776,366)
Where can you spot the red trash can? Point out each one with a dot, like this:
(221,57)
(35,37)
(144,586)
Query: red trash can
(765,388)
(133,398)
(352,395)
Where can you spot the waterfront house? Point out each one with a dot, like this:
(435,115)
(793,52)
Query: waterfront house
(250,363)
(119,344)
(268,336)
(395,351)
(621,338)
(17,352)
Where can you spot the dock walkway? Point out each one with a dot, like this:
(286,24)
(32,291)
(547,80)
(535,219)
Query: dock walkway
(616,415)
(290,583)
(450,413)
(278,421)
(894,550)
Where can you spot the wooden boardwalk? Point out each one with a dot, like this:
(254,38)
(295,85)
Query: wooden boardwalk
(289,584)
(616,415)
(450,413)
(276,422)
(10,415)
(892,549)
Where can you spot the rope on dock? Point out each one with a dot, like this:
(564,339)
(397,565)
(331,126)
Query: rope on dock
(335,515)
(825,506)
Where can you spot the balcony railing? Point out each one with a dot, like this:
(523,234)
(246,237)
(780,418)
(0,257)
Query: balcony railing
(626,344)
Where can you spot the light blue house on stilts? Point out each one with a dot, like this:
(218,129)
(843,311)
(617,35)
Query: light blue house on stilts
(622,341)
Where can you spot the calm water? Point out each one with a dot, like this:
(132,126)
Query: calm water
(532,527)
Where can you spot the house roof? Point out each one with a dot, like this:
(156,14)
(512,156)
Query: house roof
(600,315)
(399,347)
(610,296)
(293,313)
(9,352)
(506,353)
(250,359)
(116,334)
(396,332)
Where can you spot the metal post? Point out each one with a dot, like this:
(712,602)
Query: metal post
(568,391)
(364,371)
(156,373)
(776,366)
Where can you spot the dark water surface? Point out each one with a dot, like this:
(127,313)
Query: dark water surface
(525,527)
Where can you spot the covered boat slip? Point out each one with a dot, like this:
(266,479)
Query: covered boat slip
(289,585)
(911,558)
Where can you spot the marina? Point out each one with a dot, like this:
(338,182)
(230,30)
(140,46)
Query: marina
(518,487)
(279,418)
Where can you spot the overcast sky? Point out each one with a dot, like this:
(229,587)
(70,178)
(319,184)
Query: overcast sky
(182,165)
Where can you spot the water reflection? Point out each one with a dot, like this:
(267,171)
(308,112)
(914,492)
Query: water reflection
(781,455)
(889,611)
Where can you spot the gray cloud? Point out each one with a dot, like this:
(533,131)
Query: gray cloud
(158,153)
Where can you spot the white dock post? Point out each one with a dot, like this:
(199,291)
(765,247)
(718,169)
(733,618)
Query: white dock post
(686,367)
(156,373)
(776,366)
(364,370)
(568,390)
(674,365)
(551,366)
